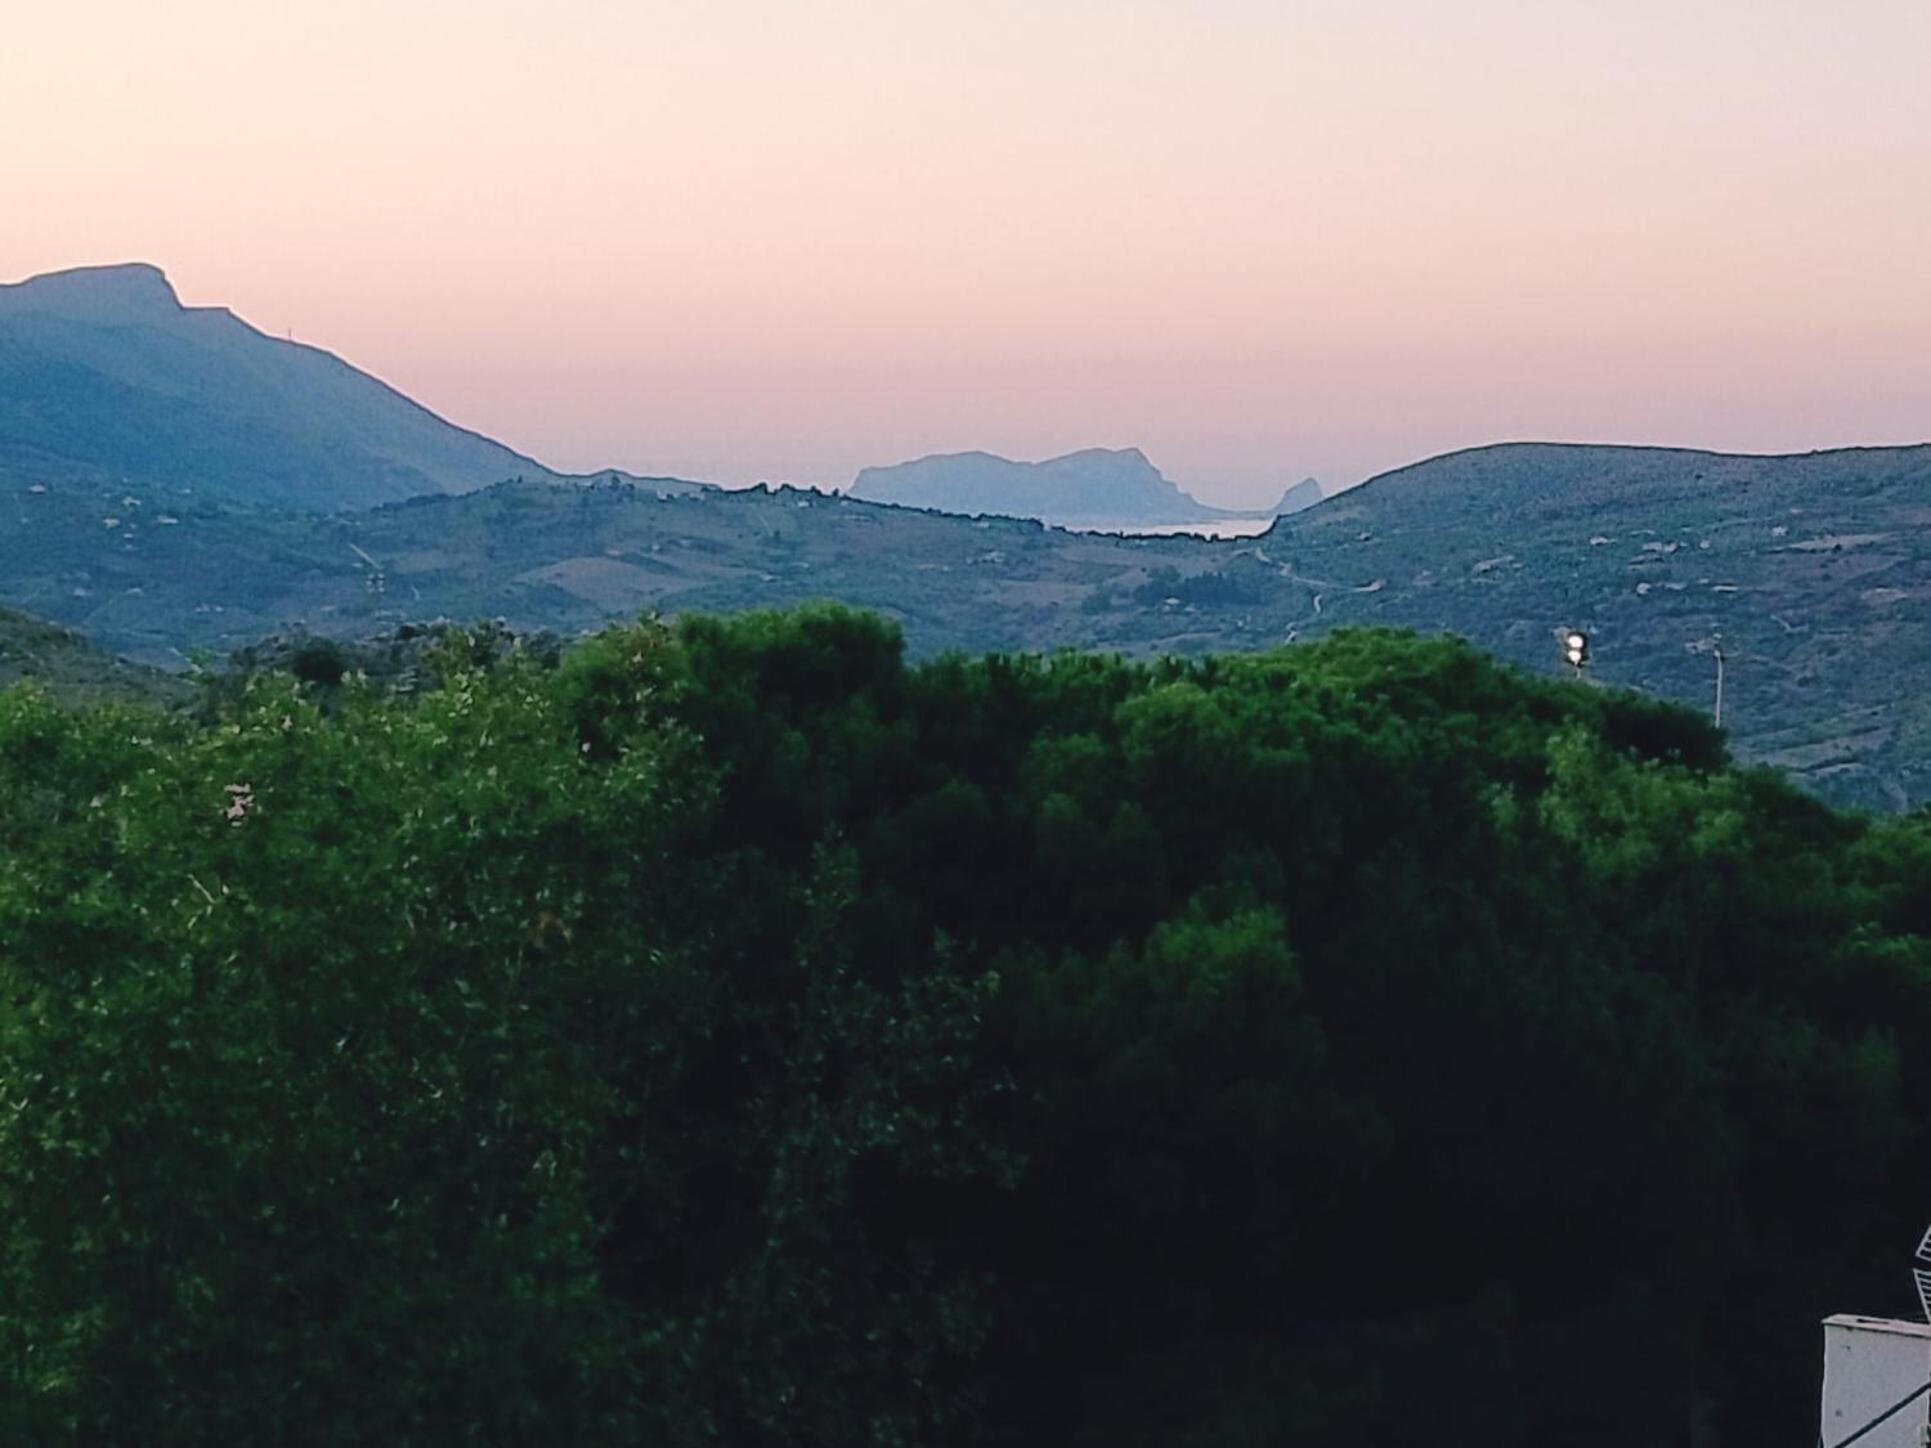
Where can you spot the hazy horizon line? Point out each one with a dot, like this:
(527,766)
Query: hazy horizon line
(1231,488)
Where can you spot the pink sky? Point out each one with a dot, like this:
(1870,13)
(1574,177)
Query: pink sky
(1257,238)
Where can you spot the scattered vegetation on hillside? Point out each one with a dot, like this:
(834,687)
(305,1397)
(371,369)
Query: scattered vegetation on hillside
(1805,570)
(61,659)
(731,1034)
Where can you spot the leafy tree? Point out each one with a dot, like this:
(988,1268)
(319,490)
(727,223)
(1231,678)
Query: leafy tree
(732,1033)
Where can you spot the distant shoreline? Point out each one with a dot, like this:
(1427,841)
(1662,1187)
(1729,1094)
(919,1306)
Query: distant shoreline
(1250,527)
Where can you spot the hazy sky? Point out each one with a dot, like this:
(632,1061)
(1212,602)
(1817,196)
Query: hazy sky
(1258,238)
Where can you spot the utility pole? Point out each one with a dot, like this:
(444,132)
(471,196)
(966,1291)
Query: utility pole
(1713,646)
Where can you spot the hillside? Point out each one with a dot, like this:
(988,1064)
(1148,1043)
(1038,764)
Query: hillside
(1810,567)
(31,648)
(105,376)
(156,578)
(1812,570)
(1098,487)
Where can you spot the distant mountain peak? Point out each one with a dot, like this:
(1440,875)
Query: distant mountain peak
(1131,457)
(122,287)
(104,374)
(1121,454)
(1304,494)
(1096,485)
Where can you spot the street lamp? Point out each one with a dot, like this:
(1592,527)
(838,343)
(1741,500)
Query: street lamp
(1575,648)
(1713,646)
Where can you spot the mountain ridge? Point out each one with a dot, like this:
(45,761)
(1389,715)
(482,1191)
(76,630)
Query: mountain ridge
(1808,567)
(105,286)
(1811,567)
(198,397)
(1512,446)
(1089,487)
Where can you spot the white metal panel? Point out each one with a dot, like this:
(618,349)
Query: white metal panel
(1869,1364)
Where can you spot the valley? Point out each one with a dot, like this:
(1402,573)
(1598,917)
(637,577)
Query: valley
(1810,570)
(177,485)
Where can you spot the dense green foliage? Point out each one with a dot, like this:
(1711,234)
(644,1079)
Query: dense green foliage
(733,1035)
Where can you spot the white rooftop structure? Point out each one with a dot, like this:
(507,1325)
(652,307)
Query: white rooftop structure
(1872,1365)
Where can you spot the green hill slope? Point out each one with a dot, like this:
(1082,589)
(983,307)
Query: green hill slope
(65,661)
(1813,571)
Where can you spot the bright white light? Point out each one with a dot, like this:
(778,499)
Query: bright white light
(1575,642)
